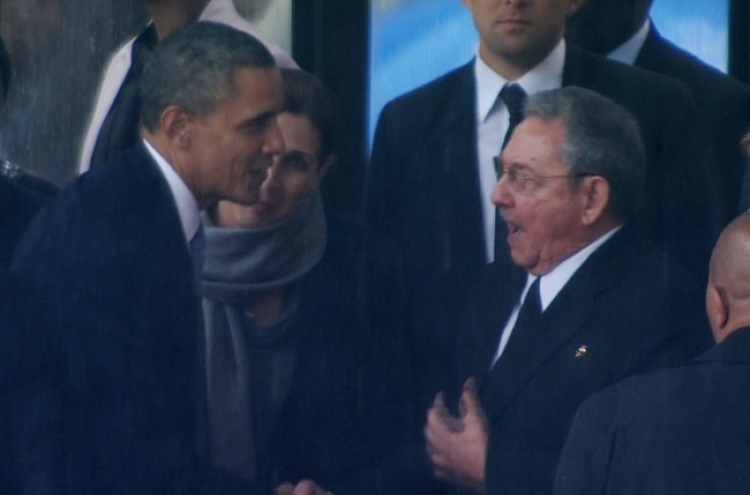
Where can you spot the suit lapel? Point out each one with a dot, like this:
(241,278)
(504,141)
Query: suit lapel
(567,315)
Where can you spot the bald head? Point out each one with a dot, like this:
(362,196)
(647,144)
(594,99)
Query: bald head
(728,291)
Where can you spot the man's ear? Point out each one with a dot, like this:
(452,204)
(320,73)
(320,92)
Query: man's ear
(595,198)
(717,309)
(176,122)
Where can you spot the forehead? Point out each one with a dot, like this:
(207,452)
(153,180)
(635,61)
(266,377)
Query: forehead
(299,132)
(536,144)
(256,90)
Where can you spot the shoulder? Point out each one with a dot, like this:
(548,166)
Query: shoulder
(621,82)
(442,87)
(660,55)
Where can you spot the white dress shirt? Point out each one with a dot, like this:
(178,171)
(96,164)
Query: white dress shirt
(187,206)
(628,51)
(549,286)
(493,120)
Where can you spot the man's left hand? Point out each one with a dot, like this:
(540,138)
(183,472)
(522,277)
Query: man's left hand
(457,446)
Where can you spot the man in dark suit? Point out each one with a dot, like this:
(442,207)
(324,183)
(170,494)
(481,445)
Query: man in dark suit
(684,430)
(431,175)
(590,301)
(621,30)
(109,389)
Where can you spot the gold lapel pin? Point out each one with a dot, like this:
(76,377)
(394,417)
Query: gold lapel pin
(582,351)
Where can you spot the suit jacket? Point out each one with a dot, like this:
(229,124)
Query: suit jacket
(221,11)
(108,391)
(722,101)
(685,430)
(423,188)
(627,309)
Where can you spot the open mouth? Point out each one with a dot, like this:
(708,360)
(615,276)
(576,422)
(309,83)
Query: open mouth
(514,230)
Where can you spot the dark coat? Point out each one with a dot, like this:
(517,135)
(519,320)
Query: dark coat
(19,202)
(722,101)
(108,384)
(423,189)
(627,309)
(344,422)
(685,430)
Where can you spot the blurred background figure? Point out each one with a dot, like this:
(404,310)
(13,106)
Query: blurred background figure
(114,122)
(622,30)
(21,194)
(308,372)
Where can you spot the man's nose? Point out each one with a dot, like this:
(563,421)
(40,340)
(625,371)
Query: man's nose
(501,195)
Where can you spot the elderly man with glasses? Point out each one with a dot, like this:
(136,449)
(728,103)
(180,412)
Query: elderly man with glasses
(588,301)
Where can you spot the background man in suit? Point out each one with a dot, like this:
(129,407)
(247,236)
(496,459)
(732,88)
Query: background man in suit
(109,396)
(684,430)
(621,30)
(431,176)
(588,302)
(114,123)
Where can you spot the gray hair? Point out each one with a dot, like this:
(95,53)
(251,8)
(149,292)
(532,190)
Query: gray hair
(194,68)
(601,138)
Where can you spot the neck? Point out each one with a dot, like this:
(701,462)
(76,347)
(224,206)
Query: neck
(514,67)
(178,162)
(169,15)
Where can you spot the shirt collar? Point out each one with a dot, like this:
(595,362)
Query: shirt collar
(628,51)
(187,206)
(546,75)
(552,283)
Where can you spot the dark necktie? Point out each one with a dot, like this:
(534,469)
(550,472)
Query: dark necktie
(198,253)
(522,337)
(120,129)
(530,312)
(513,96)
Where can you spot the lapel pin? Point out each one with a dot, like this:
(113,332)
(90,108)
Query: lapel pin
(582,351)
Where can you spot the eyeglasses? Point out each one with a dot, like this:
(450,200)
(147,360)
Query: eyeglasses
(520,180)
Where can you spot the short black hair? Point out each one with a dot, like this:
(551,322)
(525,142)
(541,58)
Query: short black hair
(194,68)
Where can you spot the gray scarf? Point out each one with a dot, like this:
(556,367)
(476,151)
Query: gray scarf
(240,261)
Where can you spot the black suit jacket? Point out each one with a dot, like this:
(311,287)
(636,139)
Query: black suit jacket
(423,188)
(723,102)
(627,309)
(108,388)
(685,430)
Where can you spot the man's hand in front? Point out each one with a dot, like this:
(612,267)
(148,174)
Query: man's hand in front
(457,446)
